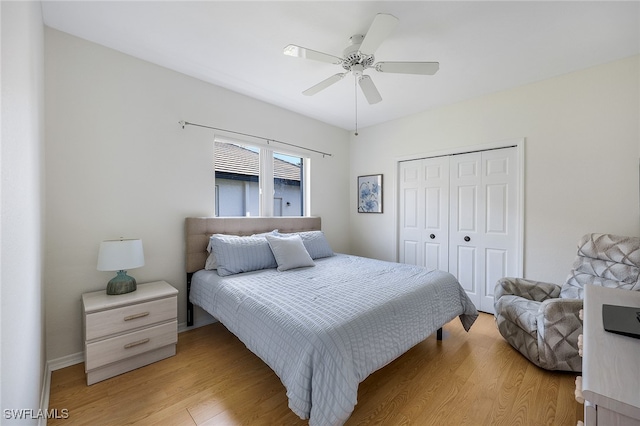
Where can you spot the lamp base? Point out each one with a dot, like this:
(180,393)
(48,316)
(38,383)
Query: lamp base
(121,284)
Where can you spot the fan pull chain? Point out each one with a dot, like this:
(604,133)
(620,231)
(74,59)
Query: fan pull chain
(355,92)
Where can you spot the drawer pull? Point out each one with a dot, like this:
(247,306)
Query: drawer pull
(136,316)
(578,393)
(580,344)
(138,343)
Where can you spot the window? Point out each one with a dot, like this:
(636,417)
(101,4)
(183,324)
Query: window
(245,174)
(287,185)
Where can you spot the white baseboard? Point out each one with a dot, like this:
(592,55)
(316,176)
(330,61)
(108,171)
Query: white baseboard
(50,366)
(65,361)
(44,396)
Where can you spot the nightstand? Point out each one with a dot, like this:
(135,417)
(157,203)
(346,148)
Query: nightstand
(127,331)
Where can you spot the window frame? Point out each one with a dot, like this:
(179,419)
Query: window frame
(266,177)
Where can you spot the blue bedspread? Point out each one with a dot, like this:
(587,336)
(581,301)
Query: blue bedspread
(324,329)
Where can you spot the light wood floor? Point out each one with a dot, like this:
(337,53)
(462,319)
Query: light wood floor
(472,378)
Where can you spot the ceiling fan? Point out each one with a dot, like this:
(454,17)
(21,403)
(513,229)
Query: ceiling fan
(358,57)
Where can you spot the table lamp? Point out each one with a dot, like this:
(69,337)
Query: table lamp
(120,255)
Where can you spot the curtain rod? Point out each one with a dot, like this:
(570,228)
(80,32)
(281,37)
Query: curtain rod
(268,140)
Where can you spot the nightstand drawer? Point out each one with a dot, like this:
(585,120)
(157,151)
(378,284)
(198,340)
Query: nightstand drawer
(114,321)
(121,347)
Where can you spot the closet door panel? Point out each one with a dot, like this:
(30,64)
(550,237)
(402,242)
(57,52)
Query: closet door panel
(433,258)
(410,252)
(495,268)
(435,230)
(433,220)
(465,270)
(465,235)
(411,215)
(499,181)
(467,208)
(496,209)
(424,212)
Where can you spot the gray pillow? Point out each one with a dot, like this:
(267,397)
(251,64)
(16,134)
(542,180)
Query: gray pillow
(316,244)
(211,262)
(241,254)
(289,251)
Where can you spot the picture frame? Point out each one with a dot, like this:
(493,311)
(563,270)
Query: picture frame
(370,194)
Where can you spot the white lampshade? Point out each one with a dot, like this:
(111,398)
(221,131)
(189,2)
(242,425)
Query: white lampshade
(118,255)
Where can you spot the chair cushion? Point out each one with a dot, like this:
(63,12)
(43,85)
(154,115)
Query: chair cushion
(520,311)
(605,260)
(614,248)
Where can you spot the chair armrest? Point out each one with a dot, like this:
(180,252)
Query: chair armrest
(559,325)
(554,310)
(528,289)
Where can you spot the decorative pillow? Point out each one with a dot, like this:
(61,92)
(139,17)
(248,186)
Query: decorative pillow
(289,252)
(316,244)
(212,263)
(241,254)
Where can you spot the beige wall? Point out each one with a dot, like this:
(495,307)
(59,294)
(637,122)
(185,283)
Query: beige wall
(118,164)
(581,162)
(22,327)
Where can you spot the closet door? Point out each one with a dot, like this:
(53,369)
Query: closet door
(483,221)
(424,213)
(465,234)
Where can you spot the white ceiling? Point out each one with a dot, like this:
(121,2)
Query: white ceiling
(482,46)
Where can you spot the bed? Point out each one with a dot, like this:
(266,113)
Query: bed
(322,328)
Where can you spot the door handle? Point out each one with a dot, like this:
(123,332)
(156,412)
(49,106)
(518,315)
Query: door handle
(467,238)
(432,236)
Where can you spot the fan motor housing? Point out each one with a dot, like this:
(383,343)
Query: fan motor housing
(353,56)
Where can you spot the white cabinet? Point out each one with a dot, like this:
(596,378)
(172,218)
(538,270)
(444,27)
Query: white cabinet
(126,331)
(460,213)
(610,366)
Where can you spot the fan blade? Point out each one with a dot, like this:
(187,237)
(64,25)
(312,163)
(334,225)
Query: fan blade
(424,68)
(303,52)
(383,24)
(369,90)
(324,84)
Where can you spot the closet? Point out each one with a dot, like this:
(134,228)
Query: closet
(460,213)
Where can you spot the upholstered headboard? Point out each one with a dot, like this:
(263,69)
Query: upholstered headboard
(199,229)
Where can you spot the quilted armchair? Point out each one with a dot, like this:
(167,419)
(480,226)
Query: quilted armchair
(541,320)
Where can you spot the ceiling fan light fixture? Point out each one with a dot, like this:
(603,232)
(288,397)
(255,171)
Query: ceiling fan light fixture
(358,57)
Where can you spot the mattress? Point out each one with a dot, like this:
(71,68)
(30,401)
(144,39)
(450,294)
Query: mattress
(324,329)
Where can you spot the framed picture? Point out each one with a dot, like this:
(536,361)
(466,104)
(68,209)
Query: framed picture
(370,194)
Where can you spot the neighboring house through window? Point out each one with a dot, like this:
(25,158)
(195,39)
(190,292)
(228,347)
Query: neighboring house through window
(243,173)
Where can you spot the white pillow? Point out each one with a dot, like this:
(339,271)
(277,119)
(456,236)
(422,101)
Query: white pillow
(289,252)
